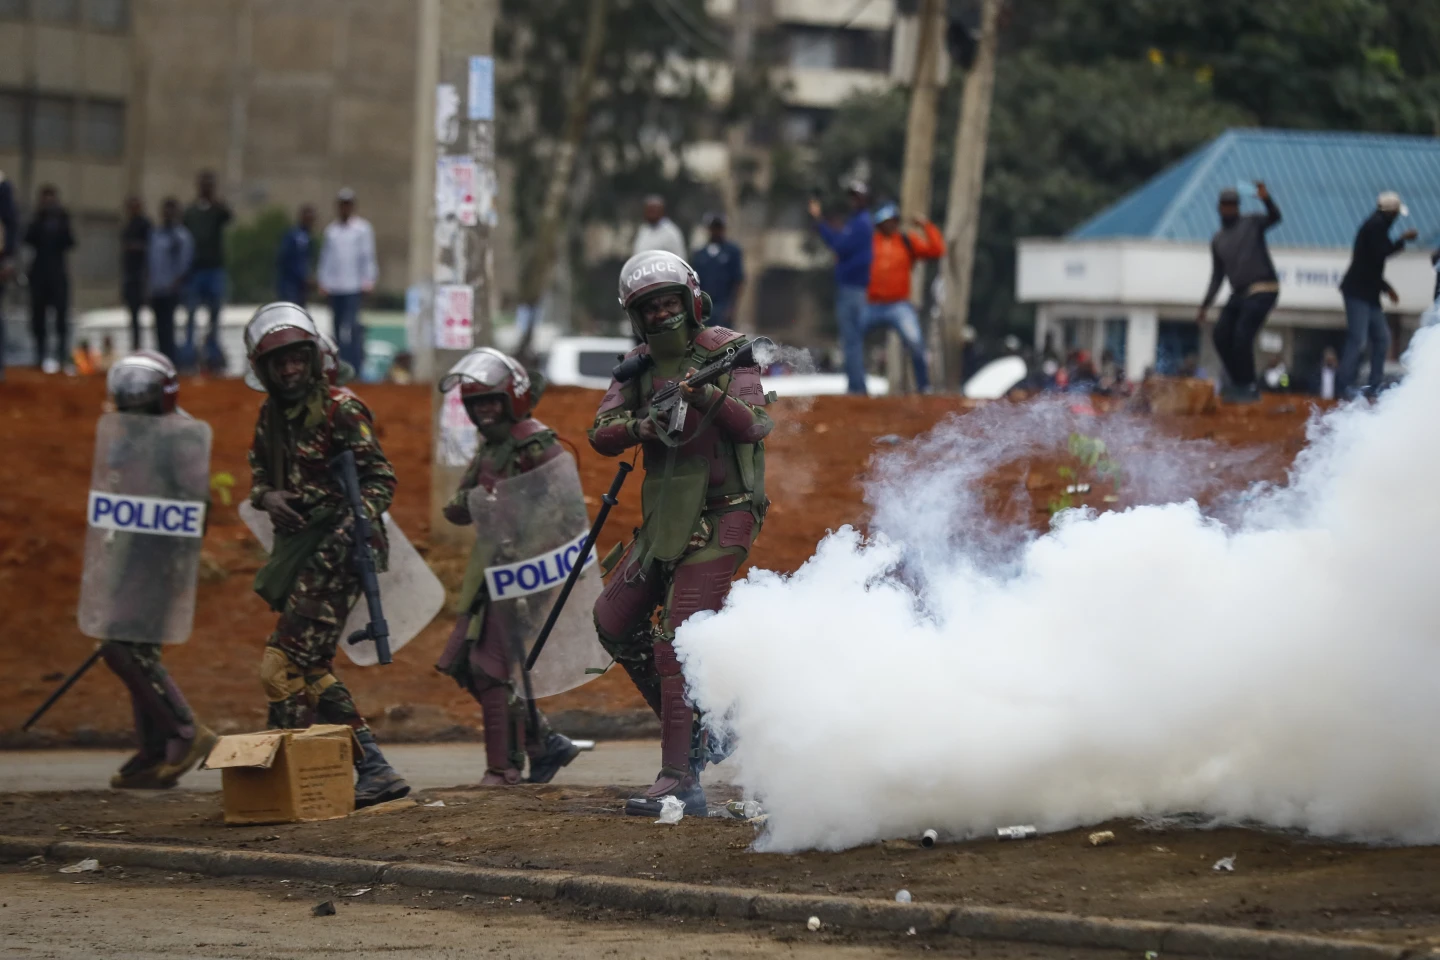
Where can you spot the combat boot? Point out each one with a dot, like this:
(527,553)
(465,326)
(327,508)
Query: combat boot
(196,750)
(140,772)
(375,780)
(559,751)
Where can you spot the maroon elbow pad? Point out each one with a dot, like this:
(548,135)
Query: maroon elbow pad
(611,439)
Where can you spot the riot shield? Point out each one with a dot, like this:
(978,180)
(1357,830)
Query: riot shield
(410,592)
(146,518)
(534,525)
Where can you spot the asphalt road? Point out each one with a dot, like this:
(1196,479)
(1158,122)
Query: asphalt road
(144,915)
(427,766)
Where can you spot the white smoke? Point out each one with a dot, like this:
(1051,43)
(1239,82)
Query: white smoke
(1279,668)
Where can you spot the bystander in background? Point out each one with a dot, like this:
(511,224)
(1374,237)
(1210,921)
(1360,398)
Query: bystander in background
(892,260)
(134,247)
(853,244)
(720,264)
(1239,253)
(347,272)
(295,259)
(659,232)
(50,240)
(206,219)
(1361,287)
(170,255)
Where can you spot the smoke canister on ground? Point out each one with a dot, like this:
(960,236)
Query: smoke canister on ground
(1019,832)
(929,838)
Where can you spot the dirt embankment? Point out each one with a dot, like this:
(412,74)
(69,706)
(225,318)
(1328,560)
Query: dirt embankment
(818,452)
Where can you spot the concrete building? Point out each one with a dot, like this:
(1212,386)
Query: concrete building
(286,100)
(1129,280)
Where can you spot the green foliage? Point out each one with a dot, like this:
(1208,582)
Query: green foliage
(1090,472)
(250,250)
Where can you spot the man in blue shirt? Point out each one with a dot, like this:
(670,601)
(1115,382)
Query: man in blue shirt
(721,268)
(852,244)
(293,262)
(169,257)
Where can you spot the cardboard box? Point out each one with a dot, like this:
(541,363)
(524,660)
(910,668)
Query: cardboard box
(285,776)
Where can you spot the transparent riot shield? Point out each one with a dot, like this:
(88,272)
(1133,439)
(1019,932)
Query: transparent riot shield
(534,525)
(409,590)
(145,518)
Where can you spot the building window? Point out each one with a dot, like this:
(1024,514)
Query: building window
(12,120)
(102,130)
(108,14)
(54,125)
(56,11)
(97,250)
(13,9)
(830,48)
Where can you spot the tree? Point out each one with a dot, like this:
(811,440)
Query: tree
(250,250)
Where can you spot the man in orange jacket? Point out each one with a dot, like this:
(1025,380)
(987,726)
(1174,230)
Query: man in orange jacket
(894,254)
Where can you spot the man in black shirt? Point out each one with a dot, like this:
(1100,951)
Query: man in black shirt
(1240,255)
(1361,288)
(50,238)
(134,244)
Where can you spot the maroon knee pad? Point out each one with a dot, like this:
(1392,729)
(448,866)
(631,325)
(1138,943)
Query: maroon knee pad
(626,600)
(700,586)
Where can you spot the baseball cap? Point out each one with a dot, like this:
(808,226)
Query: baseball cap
(1229,195)
(887,212)
(1389,201)
(346,195)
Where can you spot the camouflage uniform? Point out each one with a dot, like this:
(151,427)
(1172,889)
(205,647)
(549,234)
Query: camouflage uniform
(703,502)
(476,656)
(292,450)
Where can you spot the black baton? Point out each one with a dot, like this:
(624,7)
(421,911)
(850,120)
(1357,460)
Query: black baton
(60,691)
(606,502)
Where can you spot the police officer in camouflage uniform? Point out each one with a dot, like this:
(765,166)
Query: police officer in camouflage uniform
(171,740)
(499,396)
(703,501)
(305,422)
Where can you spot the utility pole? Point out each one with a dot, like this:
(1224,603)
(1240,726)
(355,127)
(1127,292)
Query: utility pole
(453,210)
(919,159)
(536,277)
(967,181)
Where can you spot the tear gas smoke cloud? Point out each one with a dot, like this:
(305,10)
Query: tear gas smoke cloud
(1280,667)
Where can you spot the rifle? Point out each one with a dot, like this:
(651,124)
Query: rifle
(66,685)
(343,467)
(668,406)
(606,502)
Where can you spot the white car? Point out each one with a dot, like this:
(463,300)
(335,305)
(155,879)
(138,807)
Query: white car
(587,362)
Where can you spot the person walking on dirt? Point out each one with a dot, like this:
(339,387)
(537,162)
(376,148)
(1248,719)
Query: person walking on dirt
(304,423)
(171,740)
(703,503)
(500,397)
(1240,254)
(1361,287)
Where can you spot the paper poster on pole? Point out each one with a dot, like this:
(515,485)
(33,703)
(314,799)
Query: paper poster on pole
(482,88)
(454,317)
(457,441)
(447,113)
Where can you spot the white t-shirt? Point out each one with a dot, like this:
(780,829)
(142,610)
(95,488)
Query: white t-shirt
(347,260)
(663,235)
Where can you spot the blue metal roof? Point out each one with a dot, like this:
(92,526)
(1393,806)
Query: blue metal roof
(1324,183)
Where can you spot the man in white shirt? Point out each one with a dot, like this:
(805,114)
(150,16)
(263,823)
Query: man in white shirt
(346,273)
(659,232)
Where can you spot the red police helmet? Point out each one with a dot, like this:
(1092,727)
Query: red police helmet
(144,382)
(485,372)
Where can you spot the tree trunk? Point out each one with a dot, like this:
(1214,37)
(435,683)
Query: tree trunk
(919,160)
(550,229)
(967,180)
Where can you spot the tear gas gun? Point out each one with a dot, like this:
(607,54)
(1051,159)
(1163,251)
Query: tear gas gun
(668,406)
(343,467)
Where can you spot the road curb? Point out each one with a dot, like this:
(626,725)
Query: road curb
(661,897)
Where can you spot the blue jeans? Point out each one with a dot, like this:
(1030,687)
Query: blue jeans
(1364,321)
(349,334)
(901,317)
(207,288)
(850,316)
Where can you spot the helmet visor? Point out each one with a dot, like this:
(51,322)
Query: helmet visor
(485,370)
